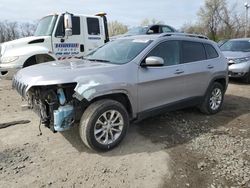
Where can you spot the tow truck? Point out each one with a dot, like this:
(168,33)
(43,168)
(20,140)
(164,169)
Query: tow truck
(57,37)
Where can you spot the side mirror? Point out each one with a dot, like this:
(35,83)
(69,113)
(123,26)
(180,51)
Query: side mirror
(153,61)
(68,24)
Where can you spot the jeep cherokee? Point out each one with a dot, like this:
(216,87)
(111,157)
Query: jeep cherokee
(125,80)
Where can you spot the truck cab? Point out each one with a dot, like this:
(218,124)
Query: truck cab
(57,37)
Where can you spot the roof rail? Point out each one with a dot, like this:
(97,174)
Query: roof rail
(184,35)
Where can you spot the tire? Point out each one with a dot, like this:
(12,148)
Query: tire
(212,104)
(246,78)
(95,130)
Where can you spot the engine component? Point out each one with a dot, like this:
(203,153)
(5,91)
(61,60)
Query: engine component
(63,118)
(61,96)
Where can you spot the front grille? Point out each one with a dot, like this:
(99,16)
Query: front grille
(19,86)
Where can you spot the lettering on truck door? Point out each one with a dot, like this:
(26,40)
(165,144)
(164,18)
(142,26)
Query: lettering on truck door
(71,47)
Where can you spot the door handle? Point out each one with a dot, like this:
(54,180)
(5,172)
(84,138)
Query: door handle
(82,48)
(178,71)
(210,66)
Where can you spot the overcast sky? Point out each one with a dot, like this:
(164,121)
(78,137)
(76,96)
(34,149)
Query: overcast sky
(129,12)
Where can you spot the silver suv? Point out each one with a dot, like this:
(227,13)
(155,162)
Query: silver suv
(237,51)
(125,80)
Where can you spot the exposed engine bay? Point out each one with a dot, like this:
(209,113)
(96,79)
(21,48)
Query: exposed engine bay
(56,105)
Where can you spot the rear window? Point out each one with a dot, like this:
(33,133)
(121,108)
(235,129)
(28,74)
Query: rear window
(93,26)
(211,52)
(192,51)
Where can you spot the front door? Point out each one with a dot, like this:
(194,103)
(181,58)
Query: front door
(158,86)
(73,46)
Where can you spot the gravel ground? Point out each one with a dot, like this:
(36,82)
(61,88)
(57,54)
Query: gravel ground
(179,149)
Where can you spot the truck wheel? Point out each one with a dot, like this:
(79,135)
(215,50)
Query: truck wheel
(213,100)
(103,125)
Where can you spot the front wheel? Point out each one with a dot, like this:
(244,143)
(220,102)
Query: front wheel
(103,125)
(213,100)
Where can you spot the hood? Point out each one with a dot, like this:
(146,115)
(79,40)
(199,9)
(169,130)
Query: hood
(62,72)
(235,55)
(23,42)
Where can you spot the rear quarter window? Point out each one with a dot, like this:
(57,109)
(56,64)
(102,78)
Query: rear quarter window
(192,51)
(211,52)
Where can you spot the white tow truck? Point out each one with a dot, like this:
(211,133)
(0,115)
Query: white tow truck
(57,37)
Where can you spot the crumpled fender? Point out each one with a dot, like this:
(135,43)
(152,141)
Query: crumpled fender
(99,85)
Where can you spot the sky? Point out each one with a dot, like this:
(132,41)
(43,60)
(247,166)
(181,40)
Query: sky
(130,12)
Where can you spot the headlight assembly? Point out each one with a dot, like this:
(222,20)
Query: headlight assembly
(242,60)
(9,59)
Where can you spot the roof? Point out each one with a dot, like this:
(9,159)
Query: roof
(156,36)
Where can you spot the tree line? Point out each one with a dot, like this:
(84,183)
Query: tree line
(10,30)
(216,19)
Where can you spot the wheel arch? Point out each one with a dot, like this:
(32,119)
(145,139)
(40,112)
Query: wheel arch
(38,58)
(220,79)
(120,97)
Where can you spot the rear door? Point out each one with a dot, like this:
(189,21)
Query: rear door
(158,86)
(196,68)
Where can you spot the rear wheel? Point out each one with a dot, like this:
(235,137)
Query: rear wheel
(247,78)
(104,124)
(213,100)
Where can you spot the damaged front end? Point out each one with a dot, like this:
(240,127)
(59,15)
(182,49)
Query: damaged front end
(55,104)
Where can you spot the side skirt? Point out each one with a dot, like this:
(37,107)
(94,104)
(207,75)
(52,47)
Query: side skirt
(194,101)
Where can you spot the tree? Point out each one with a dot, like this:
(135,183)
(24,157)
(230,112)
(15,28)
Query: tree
(210,16)
(218,21)
(116,28)
(14,30)
(147,22)
(27,29)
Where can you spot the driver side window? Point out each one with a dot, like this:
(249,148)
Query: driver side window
(60,30)
(169,51)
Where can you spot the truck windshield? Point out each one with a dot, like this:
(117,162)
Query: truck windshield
(45,26)
(120,51)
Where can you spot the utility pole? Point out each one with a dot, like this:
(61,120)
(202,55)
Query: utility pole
(247,6)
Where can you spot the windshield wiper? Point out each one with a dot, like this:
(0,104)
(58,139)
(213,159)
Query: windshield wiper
(98,60)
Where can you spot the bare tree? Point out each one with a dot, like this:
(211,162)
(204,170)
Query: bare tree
(147,22)
(218,21)
(27,29)
(116,28)
(210,16)
(14,30)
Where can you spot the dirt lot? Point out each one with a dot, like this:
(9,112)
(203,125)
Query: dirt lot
(178,149)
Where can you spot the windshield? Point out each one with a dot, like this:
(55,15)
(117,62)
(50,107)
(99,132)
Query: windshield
(137,31)
(119,51)
(45,26)
(236,45)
